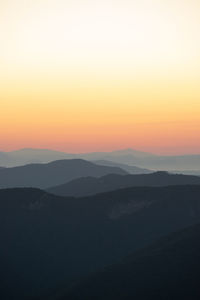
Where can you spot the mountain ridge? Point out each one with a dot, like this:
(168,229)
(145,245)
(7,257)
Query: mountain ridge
(47,174)
(125,156)
(168,269)
(90,186)
(49,241)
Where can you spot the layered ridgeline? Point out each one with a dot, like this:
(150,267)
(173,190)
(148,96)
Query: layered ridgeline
(169,269)
(129,168)
(54,173)
(27,156)
(131,157)
(49,243)
(90,186)
(58,174)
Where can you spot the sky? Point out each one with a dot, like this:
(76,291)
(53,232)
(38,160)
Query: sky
(91,75)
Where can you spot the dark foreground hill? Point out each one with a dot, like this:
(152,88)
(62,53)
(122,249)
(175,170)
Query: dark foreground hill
(169,269)
(90,186)
(50,242)
(57,172)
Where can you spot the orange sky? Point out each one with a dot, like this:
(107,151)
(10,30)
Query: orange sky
(100,75)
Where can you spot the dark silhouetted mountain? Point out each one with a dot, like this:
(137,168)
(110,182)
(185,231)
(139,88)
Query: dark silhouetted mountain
(89,185)
(129,169)
(169,269)
(57,172)
(49,243)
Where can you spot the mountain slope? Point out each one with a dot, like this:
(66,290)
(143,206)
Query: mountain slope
(28,156)
(191,172)
(129,169)
(57,172)
(170,163)
(117,154)
(127,156)
(147,160)
(48,242)
(167,163)
(89,185)
(169,269)
(6,159)
(130,151)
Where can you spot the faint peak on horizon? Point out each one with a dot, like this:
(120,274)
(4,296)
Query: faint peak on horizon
(132,151)
(91,75)
(117,151)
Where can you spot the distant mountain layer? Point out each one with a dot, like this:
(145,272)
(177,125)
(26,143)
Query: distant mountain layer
(29,156)
(49,243)
(191,172)
(156,162)
(89,185)
(128,156)
(129,169)
(169,269)
(54,173)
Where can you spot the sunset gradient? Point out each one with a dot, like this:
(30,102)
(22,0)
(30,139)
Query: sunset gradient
(88,75)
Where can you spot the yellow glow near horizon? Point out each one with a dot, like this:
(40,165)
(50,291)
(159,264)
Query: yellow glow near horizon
(86,75)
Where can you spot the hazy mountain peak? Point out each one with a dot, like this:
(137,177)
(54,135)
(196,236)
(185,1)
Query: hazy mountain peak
(44,175)
(131,151)
(90,186)
(35,151)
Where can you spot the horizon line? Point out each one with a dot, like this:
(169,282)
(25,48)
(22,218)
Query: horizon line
(103,151)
